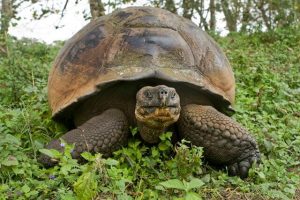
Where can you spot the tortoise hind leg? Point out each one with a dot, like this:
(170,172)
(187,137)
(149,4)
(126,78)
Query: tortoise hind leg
(104,133)
(224,141)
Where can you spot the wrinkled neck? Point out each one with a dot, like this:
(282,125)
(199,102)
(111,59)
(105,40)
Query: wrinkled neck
(150,134)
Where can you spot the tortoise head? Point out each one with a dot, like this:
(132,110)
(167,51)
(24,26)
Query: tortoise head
(157,107)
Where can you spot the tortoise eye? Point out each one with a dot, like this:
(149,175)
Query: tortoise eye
(173,95)
(148,95)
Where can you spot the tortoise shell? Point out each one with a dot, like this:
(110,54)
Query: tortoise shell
(133,44)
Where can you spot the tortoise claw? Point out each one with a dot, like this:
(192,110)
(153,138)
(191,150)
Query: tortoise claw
(241,168)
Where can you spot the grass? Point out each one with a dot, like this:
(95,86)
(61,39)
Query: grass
(267,71)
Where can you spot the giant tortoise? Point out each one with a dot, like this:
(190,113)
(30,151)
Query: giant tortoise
(147,68)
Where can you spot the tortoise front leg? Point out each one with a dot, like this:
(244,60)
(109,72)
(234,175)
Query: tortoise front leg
(224,141)
(104,133)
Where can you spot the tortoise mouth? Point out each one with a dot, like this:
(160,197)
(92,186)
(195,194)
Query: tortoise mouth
(156,116)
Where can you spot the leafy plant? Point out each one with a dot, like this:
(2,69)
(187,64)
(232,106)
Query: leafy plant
(194,183)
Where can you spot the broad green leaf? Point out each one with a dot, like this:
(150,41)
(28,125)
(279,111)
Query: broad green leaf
(31,193)
(121,185)
(173,184)
(10,161)
(192,196)
(88,156)
(159,187)
(25,188)
(163,146)
(53,153)
(194,183)
(4,187)
(111,162)
(166,136)
(12,139)
(261,175)
(66,168)
(68,196)
(124,197)
(268,145)
(206,178)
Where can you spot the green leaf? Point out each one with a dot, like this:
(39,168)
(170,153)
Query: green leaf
(4,187)
(68,148)
(124,197)
(32,193)
(53,153)
(192,196)
(86,186)
(159,187)
(111,162)
(154,152)
(261,175)
(88,156)
(133,131)
(194,183)
(121,185)
(173,184)
(291,189)
(268,145)
(206,178)
(66,168)
(10,161)
(166,136)
(12,139)
(25,188)
(163,146)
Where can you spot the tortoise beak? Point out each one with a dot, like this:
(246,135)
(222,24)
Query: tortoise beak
(164,101)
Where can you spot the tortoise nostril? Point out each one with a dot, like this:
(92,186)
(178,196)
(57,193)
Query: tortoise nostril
(163,92)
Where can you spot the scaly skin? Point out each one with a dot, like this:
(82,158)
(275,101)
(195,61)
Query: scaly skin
(104,133)
(224,141)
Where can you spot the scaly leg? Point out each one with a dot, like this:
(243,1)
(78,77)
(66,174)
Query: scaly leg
(224,141)
(104,133)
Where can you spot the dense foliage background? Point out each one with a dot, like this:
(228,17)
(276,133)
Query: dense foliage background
(267,70)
